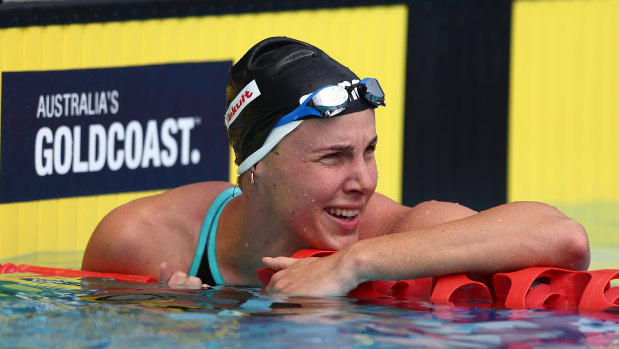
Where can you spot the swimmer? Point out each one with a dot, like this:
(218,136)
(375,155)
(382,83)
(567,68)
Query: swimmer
(303,130)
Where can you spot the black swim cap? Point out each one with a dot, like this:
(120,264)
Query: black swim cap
(268,82)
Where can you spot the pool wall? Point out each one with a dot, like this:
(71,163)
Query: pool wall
(488,102)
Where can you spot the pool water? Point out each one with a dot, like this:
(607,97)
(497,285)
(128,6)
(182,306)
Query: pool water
(39,311)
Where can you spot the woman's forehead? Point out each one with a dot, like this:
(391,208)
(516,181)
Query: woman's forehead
(359,127)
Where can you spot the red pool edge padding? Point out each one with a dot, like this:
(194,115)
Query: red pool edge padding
(23,268)
(530,288)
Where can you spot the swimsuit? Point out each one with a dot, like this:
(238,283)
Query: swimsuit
(204,263)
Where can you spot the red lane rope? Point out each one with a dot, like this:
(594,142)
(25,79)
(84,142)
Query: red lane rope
(11,268)
(530,288)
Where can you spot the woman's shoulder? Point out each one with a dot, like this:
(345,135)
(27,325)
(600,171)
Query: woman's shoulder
(186,204)
(386,216)
(380,216)
(196,197)
(140,231)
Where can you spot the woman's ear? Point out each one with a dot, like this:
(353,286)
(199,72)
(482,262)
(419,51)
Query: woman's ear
(253,173)
(257,169)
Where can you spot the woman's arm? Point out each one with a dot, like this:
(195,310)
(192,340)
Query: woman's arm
(502,239)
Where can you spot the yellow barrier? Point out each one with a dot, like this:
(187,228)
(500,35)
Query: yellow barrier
(564,111)
(375,51)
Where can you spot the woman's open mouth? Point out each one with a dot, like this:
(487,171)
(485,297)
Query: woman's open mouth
(341,213)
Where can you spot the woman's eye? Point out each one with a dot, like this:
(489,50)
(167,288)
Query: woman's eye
(330,156)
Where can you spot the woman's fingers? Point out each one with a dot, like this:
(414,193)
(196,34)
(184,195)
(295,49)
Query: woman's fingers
(178,278)
(279,263)
(165,272)
(193,281)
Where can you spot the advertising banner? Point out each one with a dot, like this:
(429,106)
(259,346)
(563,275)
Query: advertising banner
(96,131)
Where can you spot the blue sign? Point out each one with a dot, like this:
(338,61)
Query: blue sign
(98,131)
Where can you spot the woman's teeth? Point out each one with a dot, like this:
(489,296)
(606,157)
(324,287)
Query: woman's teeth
(342,213)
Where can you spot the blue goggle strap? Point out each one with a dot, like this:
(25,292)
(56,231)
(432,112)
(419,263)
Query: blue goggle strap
(302,110)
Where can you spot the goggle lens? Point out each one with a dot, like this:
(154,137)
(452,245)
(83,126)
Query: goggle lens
(333,99)
(330,100)
(372,92)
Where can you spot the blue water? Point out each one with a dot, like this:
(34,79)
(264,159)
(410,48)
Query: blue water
(56,312)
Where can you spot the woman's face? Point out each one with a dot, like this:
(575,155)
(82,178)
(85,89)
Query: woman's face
(319,179)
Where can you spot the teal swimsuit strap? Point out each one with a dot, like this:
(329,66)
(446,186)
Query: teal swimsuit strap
(206,243)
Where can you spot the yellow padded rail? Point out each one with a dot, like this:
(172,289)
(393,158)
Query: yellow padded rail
(564,110)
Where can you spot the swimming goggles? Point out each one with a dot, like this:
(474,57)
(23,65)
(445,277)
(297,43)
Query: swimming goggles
(331,100)
(326,102)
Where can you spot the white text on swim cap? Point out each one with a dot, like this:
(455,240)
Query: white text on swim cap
(246,96)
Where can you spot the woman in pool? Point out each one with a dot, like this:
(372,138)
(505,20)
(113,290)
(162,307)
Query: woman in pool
(307,176)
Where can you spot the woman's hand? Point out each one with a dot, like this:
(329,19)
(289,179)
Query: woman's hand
(328,276)
(178,279)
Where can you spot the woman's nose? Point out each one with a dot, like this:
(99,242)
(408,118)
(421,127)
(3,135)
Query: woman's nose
(362,176)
